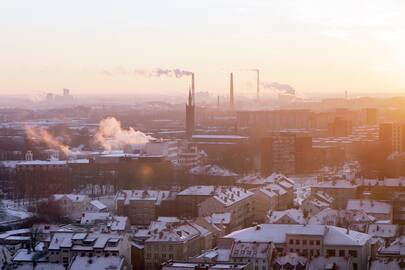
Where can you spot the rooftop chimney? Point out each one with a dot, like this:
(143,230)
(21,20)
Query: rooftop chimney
(231,97)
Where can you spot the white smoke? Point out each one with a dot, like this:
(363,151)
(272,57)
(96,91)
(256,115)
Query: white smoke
(111,135)
(157,72)
(41,135)
(279,87)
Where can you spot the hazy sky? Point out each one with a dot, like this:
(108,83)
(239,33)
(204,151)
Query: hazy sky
(93,46)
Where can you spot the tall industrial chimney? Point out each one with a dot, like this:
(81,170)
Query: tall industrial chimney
(258,84)
(193,87)
(231,97)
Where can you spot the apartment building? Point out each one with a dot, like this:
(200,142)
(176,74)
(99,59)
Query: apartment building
(307,240)
(237,201)
(142,206)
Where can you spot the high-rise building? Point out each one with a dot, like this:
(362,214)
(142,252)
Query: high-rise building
(392,137)
(286,153)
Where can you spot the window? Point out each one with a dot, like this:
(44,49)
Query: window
(311,242)
(353,253)
(297,242)
(318,242)
(291,241)
(355,266)
(304,242)
(331,252)
(341,253)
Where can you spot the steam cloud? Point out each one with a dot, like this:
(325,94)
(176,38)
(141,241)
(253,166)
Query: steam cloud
(158,72)
(280,87)
(111,136)
(42,135)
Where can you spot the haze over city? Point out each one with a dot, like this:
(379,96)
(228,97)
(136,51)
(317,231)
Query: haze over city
(94,47)
(202,135)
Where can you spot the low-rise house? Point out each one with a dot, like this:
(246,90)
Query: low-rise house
(380,210)
(96,206)
(395,250)
(289,216)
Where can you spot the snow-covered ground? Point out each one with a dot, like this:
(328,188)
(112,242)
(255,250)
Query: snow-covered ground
(10,211)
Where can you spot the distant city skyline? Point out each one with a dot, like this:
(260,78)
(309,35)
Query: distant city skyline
(95,47)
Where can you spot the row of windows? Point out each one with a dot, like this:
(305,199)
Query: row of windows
(305,242)
(342,253)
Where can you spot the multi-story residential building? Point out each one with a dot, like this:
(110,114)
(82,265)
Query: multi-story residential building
(341,191)
(307,240)
(72,205)
(287,153)
(234,200)
(142,206)
(379,210)
(317,202)
(189,199)
(64,246)
(175,242)
(189,265)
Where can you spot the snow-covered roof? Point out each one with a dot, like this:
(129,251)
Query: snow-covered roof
(178,233)
(97,263)
(385,264)
(295,215)
(219,218)
(197,191)
(40,266)
(231,195)
(395,248)
(383,230)
(251,250)
(329,216)
(143,195)
(292,259)
(335,184)
(99,205)
(71,197)
(320,262)
(42,162)
(211,170)
(370,206)
(276,233)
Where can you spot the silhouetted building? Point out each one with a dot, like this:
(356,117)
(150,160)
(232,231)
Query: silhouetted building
(371,116)
(286,153)
(340,127)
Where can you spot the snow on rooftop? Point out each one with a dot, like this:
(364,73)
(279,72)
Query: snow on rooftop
(97,263)
(276,233)
(198,191)
(212,170)
(369,206)
(231,195)
(382,230)
(71,197)
(97,204)
(321,262)
(219,218)
(295,215)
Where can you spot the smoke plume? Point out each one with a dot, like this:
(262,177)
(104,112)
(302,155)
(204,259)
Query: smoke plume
(111,136)
(280,87)
(157,72)
(41,135)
